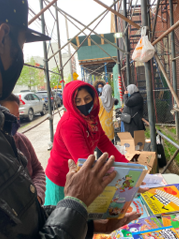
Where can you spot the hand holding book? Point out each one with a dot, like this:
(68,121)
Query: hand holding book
(89,182)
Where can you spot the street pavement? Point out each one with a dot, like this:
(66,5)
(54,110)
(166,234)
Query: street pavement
(40,136)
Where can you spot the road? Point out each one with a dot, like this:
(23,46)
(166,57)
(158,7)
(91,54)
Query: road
(25,122)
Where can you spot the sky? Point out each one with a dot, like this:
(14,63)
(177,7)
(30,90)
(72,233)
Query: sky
(83,10)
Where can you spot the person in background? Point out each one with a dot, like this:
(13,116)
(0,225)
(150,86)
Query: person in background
(34,167)
(106,113)
(133,105)
(98,85)
(78,133)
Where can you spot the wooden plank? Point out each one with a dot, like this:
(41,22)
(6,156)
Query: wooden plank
(102,40)
(95,62)
(77,41)
(89,41)
(97,59)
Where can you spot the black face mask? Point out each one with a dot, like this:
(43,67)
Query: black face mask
(11,75)
(15,126)
(86,109)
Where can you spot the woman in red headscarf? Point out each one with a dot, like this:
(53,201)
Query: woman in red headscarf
(78,133)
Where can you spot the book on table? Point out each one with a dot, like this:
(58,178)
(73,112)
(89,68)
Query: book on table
(143,224)
(116,198)
(171,220)
(161,200)
(159,233)
(139,207)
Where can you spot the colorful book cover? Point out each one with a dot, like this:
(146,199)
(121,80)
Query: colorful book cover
(118,234)
(162,233)
(116,198)
(121,233)
(143,224)
(139,207)
(162,200)
(171,220)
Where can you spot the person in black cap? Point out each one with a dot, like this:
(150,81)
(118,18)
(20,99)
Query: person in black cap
(21,216)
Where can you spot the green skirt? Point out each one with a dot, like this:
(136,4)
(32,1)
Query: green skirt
(53,194)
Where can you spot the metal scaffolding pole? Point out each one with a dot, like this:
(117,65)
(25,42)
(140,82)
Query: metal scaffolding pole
(148,77)
(47,78)
(118,59)
(174,74)
(69,50)
(128,77)
(59,46)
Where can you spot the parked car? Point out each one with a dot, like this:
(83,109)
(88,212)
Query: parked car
(30,104)
(43,96)
(59,94)
(54,98)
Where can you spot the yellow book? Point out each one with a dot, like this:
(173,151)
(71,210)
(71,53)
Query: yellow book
(162,200)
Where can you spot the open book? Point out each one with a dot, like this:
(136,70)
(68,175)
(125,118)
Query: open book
(116,198)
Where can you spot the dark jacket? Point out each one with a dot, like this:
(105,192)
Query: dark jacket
(134,107)
(21,216)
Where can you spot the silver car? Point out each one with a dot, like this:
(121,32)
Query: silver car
(30,104)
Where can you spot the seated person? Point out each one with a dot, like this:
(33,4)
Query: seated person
(34,167)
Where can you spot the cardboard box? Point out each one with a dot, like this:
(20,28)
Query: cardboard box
(147,158)
(134,146)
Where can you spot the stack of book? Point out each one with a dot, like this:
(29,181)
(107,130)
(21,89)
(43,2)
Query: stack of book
(159,206)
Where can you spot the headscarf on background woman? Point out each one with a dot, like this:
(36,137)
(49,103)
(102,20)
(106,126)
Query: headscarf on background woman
(106,113)
(106,98)
(132,89)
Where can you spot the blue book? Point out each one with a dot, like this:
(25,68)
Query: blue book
(117,197)
(159,233)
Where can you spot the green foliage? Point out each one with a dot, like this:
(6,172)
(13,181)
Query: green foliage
(54,79)
(168,148)
(69,79)
(30,76)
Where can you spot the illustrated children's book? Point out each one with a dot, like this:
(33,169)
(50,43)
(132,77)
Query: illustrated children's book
(118,234)
(171,220)
(139,207)
(160,233)
(162,200)
(116,198)
(143,224)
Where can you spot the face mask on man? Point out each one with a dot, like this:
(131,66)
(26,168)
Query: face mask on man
(86,109)
(10,76)
(129,95)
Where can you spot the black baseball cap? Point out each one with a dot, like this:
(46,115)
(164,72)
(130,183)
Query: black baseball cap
(15,13)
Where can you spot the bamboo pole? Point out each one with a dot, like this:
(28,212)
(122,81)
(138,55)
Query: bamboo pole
(41,12)
(118,14)
(170,29)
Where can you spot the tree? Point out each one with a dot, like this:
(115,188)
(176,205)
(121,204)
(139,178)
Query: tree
(69,79)
(55,79)
(30,76)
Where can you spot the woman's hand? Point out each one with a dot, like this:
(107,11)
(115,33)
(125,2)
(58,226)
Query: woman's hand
(126,92)
(90,180)
(109,225)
